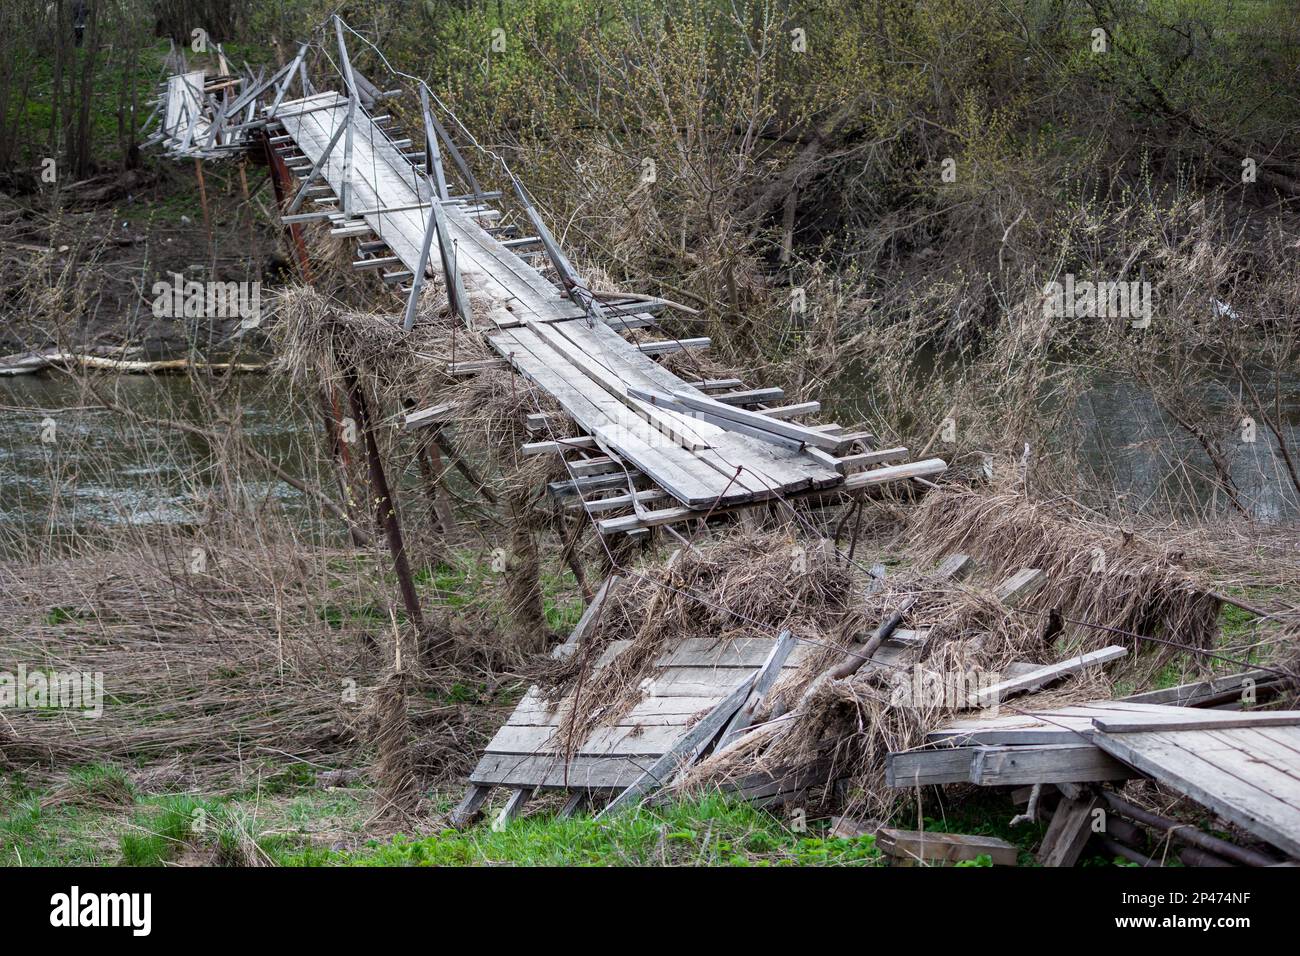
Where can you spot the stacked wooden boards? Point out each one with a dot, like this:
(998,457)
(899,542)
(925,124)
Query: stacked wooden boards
(185,119)
(1245,766)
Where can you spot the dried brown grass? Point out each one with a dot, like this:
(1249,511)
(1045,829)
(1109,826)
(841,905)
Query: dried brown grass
(741,586)
(1116,585)
(212,677)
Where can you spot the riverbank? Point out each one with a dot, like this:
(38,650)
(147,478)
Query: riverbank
(79,268)
(241,673)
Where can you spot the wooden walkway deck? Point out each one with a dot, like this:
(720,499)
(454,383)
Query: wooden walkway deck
(640,433)
(1249,775)
(689,681)
(588,367)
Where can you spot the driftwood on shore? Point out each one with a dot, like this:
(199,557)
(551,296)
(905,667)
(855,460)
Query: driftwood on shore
(30,363)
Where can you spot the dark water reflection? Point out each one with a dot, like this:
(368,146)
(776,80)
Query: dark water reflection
(64,466)
(98,473)
(1134,451)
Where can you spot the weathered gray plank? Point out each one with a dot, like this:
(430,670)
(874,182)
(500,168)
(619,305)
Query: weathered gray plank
(621,740)
(1068,832)
(1045,675)
(768,673)
(551,772)
(742,652)
(1183,762)
(683,752)
(919,768)
(1213,720)
(469,807)
(1020,586)
(932,847)
(589,617)
(1197,693)
(1048,763)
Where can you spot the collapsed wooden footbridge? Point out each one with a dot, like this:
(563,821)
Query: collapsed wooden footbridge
(644,447)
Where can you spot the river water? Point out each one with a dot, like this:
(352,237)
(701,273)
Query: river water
(89,471)
(64,465)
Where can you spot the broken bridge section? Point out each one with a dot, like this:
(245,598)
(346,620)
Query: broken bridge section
(635,419)
(644,447)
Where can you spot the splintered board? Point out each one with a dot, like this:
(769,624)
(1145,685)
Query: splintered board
(685,684)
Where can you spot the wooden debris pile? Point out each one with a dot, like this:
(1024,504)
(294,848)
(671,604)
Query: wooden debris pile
(723,713)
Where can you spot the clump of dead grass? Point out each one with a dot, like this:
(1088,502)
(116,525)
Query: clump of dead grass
(268,653)
(744,585)
(1115,583)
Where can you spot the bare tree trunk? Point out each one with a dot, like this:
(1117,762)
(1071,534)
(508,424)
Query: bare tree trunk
(89,54)
(385,505)
(56,93)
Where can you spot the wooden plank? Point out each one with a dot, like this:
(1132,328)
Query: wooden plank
(1058,725)
(1069,831)
(671,345)
(919,768)
(879,476)
(683,752)
(1216,720)
(621,371)
(557,446)
(551,772)
(683,400)
(751,396)
(625,739)
(595,364)
(536,709)
(429,416)
(1047,763)
(581,487)
(1192,694)
(744,652)
(595,506)
(1280,754)
(791,411)
(469,808)
(767,676)
(956,567)
(590,615)
(695,681)
(1046,674)
(578,801)
(927,468)
(602,415)
(867,458)
(1179,761)
(1057,731)
(1020,586)
(766,468)
(932,847)
(514,806)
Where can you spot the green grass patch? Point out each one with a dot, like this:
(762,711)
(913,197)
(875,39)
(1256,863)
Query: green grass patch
(470,579)
(61,615)
(709,831)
